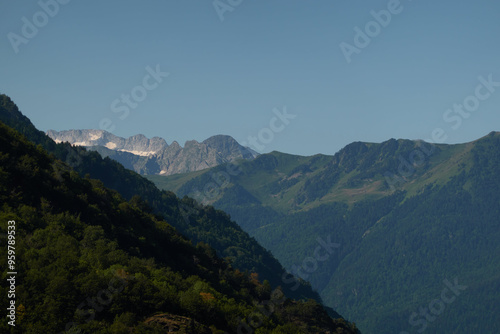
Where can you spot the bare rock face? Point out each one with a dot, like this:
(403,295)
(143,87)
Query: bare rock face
(138,144)
(155,156)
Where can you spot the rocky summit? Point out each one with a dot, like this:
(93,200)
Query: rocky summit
(155,156)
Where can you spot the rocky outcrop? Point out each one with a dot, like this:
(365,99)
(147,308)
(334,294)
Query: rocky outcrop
(177,324)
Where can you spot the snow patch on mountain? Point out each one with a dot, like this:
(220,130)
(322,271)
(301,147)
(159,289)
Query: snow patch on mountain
(95,136)
(140,153)
(155,156)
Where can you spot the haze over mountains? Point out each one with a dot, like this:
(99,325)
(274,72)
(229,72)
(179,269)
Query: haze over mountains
(155,156)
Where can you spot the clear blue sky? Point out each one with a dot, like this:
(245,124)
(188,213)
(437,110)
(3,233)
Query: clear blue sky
(226,77)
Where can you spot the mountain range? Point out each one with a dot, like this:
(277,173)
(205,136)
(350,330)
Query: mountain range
(406,219)
(155,156)
(400,236)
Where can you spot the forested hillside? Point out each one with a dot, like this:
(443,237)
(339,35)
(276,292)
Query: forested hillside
(88,261)
(198,223)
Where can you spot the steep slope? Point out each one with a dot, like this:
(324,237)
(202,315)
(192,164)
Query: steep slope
(446,234)
(87,261)
(198,223)
(397,212)
(155,156)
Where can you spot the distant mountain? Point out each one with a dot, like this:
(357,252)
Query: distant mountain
(409,219)
(138,144)
(155,156)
